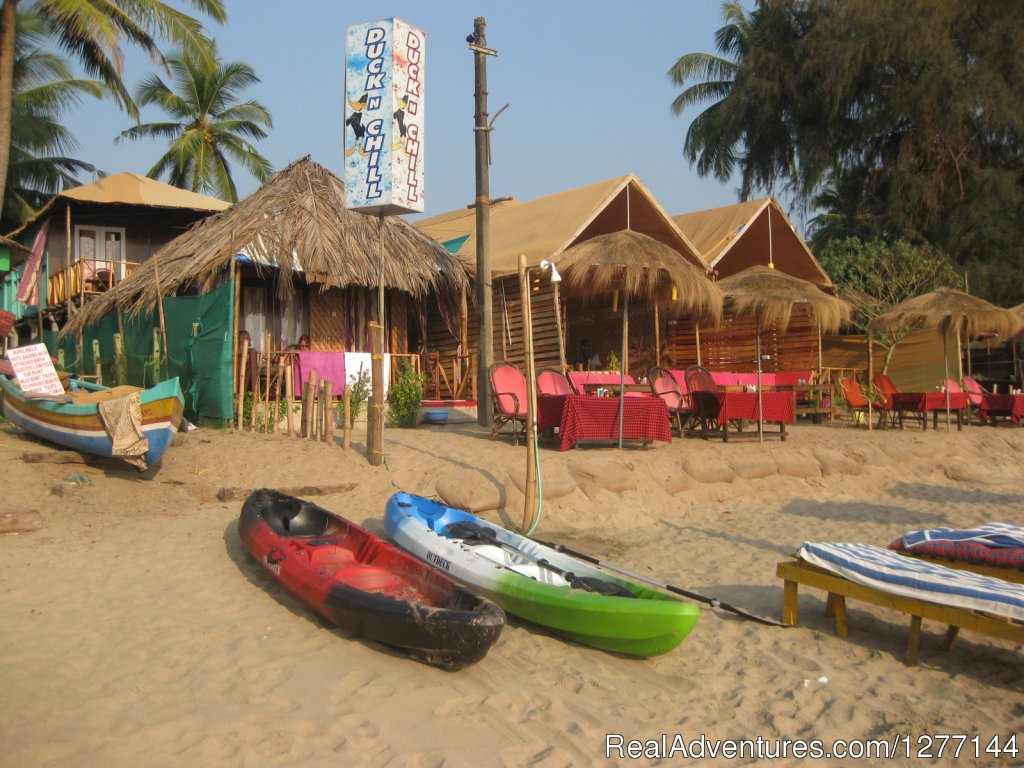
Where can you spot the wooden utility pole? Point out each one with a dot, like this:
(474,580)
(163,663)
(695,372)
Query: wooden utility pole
(484,304)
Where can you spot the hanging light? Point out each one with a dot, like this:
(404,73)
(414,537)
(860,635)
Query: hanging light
(675,293)
(615,301)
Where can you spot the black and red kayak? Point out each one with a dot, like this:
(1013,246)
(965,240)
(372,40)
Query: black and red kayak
(366,585)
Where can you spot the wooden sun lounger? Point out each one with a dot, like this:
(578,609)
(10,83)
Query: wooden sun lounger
(797,572)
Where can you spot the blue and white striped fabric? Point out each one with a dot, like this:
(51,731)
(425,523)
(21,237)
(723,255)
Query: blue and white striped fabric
(996,535)
(890,572)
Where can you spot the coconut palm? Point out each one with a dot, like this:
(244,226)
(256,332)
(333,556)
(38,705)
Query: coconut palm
(208,125)
(93,31)
(43,91)
(749,91)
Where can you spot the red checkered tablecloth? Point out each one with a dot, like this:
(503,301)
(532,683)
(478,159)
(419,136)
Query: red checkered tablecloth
(6,322)
(549,410)
(1001,405)
(778,406)
(586,417)
(923,402)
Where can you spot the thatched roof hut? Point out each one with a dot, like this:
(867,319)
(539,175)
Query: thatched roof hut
(295,222)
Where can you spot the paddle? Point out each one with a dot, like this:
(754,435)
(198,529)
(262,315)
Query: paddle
(713,602)
(475,533)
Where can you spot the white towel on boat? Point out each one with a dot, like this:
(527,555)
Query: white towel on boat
(888,571)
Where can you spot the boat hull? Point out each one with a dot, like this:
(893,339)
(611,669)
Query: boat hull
(364,584)
(647,623)
(78,426)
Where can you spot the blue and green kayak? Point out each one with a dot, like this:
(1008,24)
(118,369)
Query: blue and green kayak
(537,583)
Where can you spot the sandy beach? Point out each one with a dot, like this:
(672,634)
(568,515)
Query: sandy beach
(136,630)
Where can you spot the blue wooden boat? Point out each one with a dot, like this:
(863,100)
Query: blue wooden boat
(74,419)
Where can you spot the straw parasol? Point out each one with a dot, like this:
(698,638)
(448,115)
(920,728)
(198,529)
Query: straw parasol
(643,268)
(950,311)
(296,221)
(770,295)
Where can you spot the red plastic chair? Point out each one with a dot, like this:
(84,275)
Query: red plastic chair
(856,402)
(508,397)
(974,391)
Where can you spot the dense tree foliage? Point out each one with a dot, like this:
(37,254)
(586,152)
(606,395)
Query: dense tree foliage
(209,127)
(893,118)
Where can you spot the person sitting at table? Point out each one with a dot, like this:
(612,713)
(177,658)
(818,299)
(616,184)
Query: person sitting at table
(591,359)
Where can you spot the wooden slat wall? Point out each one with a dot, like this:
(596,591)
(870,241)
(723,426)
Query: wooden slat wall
(732,346)
(508,327)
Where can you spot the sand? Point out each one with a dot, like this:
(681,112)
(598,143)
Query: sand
(136,630)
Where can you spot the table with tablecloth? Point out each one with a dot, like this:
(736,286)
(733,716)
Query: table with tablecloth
(549,411)
(721,407)
(923,403)
(586,417)
(993,406)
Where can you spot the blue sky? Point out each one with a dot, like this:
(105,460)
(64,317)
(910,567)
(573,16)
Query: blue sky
(585,80)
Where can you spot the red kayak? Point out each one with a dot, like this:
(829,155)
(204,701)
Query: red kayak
(365,585)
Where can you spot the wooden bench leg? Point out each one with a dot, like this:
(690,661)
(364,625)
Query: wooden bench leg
(914,642)
(950,639)
(835,606)
(790,612)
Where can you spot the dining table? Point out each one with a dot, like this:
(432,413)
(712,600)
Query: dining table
(995,406)
(922,403)
(588,417)
(719,407)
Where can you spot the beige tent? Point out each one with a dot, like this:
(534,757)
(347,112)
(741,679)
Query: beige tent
(757,232)
(542,229)
(131,189)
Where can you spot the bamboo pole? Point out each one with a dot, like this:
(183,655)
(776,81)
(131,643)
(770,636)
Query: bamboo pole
(160,310)
(657,335)
(243,363)
(530,506)
(289,396)
(304,411)
(311,414)
(277,393)
(556,297)
(346,428)
(327,395)
(69,270)
(375,415)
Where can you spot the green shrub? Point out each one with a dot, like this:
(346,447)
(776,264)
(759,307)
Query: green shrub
(361,389)
(405,397)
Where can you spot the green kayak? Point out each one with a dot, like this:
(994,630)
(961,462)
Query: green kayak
(537,583)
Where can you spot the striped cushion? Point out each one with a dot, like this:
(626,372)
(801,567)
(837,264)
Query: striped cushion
(997,544)
(887,571)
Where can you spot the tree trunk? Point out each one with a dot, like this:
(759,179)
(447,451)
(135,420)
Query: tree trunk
(8,18)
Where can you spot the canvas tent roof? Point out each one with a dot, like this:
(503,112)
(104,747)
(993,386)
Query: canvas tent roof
(544,227)
(132,189)
(734,237)
(296,221)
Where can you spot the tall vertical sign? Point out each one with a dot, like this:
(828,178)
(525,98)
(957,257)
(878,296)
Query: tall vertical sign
(384,111)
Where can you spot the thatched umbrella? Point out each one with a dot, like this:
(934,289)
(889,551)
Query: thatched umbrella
(950,311)
(641,267)
(296,221)
(770,295)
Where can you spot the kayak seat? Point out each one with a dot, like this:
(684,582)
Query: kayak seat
(296,519)
(331,558)
(369,578)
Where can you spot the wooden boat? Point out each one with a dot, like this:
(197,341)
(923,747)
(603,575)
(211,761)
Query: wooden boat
(537,583)
(76,419)
(366,585)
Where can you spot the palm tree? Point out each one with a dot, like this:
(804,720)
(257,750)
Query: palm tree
(209,126)
(751,87)
(43,90)
(92,31)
